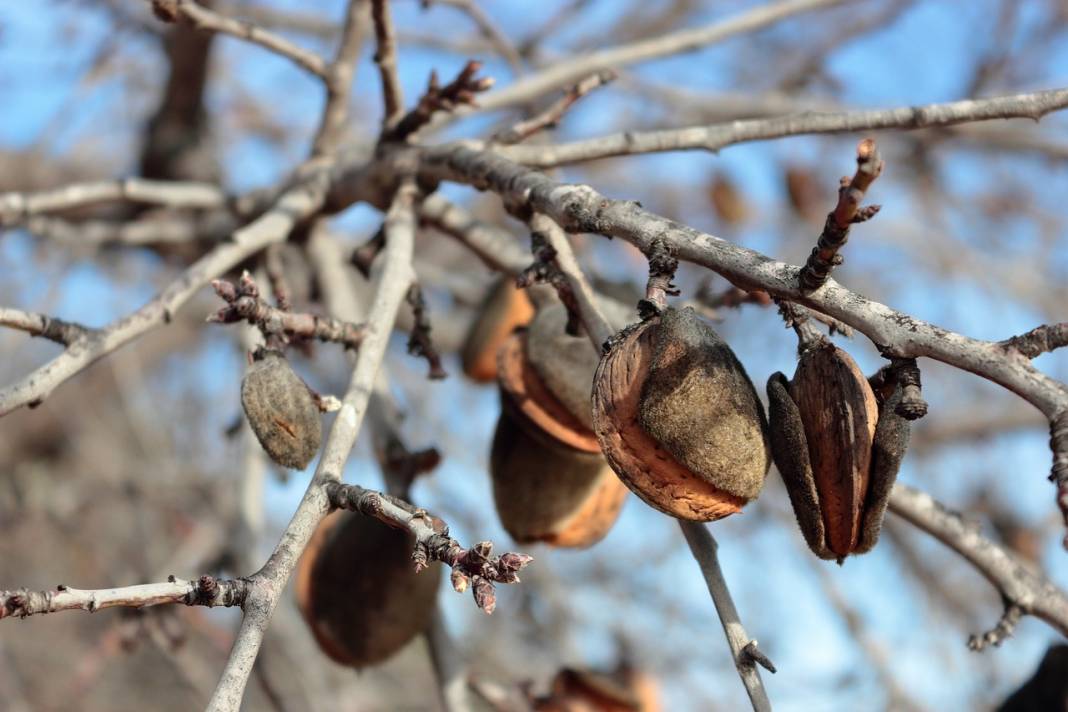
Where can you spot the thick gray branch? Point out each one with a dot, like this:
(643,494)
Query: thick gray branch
(579,208)
(1020,585)
(394,274)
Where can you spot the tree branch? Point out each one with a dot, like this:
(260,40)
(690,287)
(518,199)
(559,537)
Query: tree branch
(552,115)
(273,226)
(205,591)
(1020,586)
(47,327)
(743,648)
(339,77)
(17,208)
(245,304)
(716,136)
(205,19)
(574,68)
(474,567)
(825,257)
(394,277)
(386,59)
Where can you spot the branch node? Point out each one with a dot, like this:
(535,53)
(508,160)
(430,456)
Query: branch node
(1001,631)
(752,653)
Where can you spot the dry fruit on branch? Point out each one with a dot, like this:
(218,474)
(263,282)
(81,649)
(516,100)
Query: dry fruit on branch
(678,418)
(838,449)
(358,590)
(281,410)
(506,307)
(624,690)
(550,481)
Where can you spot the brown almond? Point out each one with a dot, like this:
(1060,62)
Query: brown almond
(358,590)
(679,420)
(506,307)
(281,410)
(839,413)
(526,392)
(546,491)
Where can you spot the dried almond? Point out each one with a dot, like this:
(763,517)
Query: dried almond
(358,590)
(678,418)
(281,410)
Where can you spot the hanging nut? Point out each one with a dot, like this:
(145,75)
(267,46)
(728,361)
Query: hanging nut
(281,410)
(838,449)
(550,482)
(678,418)
(358,590)
(623,690)
(506,307)
(546,491)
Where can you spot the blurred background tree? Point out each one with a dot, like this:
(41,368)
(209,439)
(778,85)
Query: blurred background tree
(139,466)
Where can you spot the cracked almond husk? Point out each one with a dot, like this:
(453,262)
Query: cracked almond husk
(506,307)
(623,690)
(358,591)
(678,418)
(551,483)
(281,410)
(838,449)
(548,492)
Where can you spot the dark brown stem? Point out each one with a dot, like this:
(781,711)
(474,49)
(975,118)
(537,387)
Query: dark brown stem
(420,344)
(825,257)
(662,266)
(243,303)
(459,92)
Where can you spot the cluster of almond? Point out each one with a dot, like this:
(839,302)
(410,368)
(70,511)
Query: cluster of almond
(676,417)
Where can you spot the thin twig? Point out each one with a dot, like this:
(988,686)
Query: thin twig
(1040,340)
(205,591)
(339,78)
(824,256)
(243,303)
(17,208)
(493,35)
(461,91)
(473,567)
(574,68)
(704,549)
(47,327)
(386,59)
(206,19)
(597,326)
(552,115)
(717,136)
(271,227)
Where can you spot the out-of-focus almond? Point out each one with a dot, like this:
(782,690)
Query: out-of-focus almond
(281,410)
